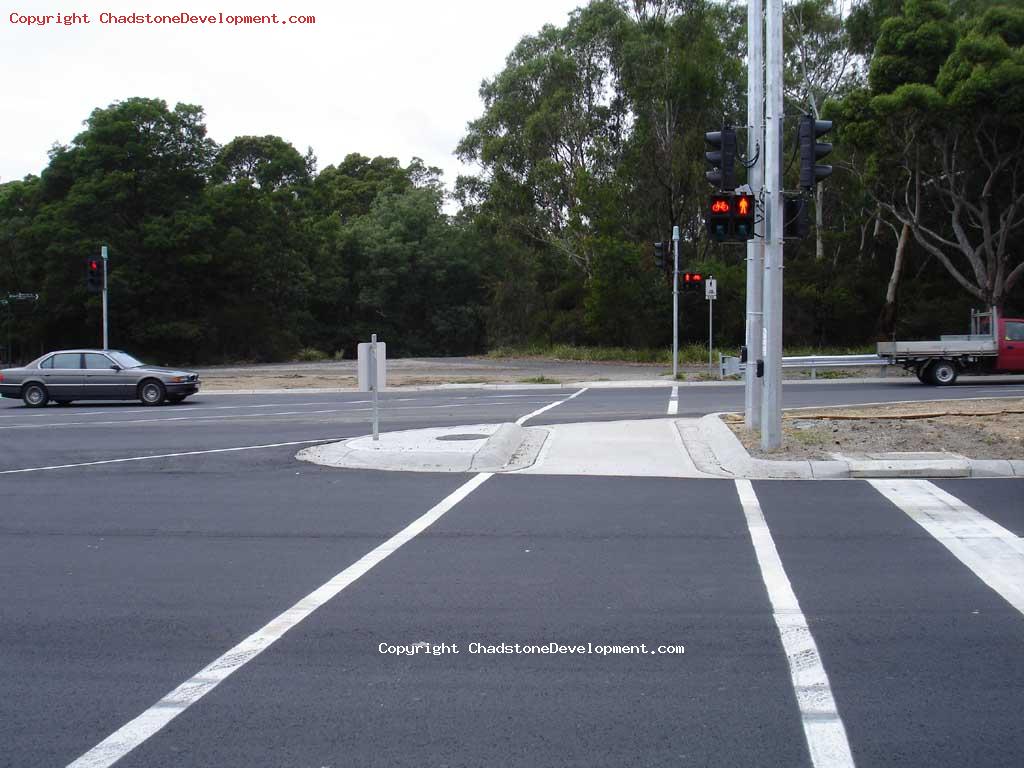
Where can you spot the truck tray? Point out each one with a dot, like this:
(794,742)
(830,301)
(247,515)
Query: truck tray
(942,348)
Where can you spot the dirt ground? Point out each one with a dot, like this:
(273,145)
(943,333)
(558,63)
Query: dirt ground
(976,429)
(409,372)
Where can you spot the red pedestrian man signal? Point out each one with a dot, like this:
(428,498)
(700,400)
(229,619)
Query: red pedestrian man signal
(93,275)
(692,281)
(730,217)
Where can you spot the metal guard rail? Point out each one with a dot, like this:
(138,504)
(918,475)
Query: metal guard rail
(731,366)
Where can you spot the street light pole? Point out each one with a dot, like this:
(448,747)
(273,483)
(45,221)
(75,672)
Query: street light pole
(771,408)
(106,340)
(675,303)
(755,247)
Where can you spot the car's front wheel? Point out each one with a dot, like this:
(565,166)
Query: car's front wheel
(35,395)
(152,392)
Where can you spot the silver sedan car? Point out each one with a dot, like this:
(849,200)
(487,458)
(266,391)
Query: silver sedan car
(95,374)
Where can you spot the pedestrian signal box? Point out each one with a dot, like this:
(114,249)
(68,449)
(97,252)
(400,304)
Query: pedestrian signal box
(730,217)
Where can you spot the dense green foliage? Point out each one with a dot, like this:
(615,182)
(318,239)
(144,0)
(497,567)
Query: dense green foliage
(240,252)
(589,148)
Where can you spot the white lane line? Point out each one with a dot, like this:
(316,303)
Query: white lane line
(823,727)
(150,722)
(522,420)
(673,402)
(171,455)
(177,409)
(225,417)
(221,417)
(995,554)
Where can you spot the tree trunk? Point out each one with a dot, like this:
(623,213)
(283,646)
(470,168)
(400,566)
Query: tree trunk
(887,320)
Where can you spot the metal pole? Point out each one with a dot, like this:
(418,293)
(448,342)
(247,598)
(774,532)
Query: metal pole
(675,303)
(711,303)
(771,408)
(373,384)
(755,177)
(106,338)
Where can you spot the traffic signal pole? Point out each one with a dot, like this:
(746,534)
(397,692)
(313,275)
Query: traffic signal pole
(755,246)
(675,303)
(106,338)
(771,407)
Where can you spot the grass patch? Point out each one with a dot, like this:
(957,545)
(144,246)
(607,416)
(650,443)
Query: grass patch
(824,373)
(311,355)
(809,437)
(692,354)
(539,380)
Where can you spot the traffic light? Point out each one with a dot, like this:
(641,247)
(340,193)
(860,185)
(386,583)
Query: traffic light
(720,217)
(811,151)
(794,217)
(722,158)
(743,217)
(692,281)
(662,260)
(93,275)
(731,217)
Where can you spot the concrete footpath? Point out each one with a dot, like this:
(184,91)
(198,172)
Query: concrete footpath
(670,447)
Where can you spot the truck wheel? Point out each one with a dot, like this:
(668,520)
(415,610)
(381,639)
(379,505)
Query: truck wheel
(942,373)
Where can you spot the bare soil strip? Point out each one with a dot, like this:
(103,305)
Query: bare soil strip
(976,429)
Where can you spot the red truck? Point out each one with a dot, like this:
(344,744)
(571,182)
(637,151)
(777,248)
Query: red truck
(994,345)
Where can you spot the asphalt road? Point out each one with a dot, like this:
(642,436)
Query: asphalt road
(139,545)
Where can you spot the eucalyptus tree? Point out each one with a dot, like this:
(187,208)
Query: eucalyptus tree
(552,130)
(132,179)
(941,135)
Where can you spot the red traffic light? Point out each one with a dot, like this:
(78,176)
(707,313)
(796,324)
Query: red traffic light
(743,205)
(94,266)
(720,205)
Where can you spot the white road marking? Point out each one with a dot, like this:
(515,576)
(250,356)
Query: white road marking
(823,727)
(224,417)
(171,455)
(25,413)
(673,401)
(995,554)
(150,722)
(539,411)
(170,419)
(177,409)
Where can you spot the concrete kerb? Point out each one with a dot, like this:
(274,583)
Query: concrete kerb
(603,384)
(734,460)
(469,448)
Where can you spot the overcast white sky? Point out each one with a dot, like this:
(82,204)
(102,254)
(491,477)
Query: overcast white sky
(396,78)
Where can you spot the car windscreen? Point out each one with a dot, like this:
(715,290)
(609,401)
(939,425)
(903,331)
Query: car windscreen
(125,360)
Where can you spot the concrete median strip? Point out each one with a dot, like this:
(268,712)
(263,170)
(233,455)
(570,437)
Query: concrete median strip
(716,449)
(472,448)
(704,447)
